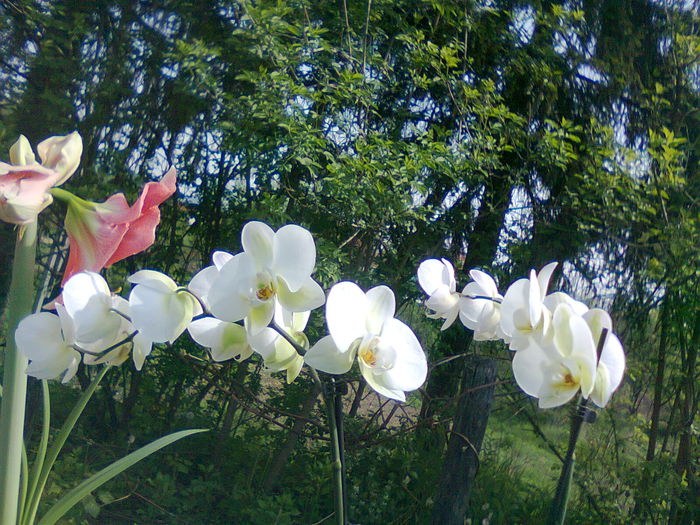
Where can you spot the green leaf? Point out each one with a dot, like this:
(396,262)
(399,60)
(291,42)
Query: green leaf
(103,476)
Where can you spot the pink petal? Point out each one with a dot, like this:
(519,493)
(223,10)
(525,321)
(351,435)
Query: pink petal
(140,235)
(101,234)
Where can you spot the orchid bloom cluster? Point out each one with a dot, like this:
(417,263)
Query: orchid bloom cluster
(255,301)
(555,338)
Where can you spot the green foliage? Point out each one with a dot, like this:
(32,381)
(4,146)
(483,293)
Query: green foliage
(395,130)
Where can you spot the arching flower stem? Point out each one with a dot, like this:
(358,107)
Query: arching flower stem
(486,297)
(107,350)
(300,349)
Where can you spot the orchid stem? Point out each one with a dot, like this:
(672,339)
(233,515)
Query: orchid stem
(277,328)
(334,406)
(337,451)
(19,305)
(557,513)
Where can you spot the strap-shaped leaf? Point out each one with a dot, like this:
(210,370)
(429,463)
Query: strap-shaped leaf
(96,480)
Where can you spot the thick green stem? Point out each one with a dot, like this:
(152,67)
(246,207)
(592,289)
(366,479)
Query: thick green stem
(19,305)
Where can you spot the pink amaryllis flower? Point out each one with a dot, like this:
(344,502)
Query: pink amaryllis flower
(23,191)
(24,183)
(101,234)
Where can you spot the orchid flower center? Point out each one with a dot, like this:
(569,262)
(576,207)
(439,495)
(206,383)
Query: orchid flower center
(565,380)
(264,287)
(375,354)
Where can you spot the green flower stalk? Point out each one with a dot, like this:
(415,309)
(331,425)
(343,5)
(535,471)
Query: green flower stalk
(19,305)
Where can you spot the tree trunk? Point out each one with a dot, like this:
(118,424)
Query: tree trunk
(684,508)
(659,382)
(462,458)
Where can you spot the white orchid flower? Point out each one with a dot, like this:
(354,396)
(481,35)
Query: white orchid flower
(524,317)
(160,310)
(274,266)
(90,304)
(362,324)
(202,282)
(47,341)
(480,308)
(224,340)
(277,353)
(556,372)
(134,343)
(437,278)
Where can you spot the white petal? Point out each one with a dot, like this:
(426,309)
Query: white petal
(294,255)
(284,356)
(224,340)
(449,275)
(442,301)
(528,369)
(544,277)
(264,342)
(433,274)
(346,314)
(326,356)
(39,336)
(555,398)
(610,370)
(64,364)
(486,283)
(67,326)
(584,352)
(87,299)
(160,317)
(152,279)
(294,368)
(515,298)
(206,331)
(259,317)
(142,348)
(614,358)
(377,383)
(202,282)
(449,319)
(471,309)
(299,319)
(597,319)
(410,368)
(80,288)
(228,296)
(291,321)
(556,298)
(534,300)
(381,306)
(307,297)
(219,258)
(563,336)
(256,238)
